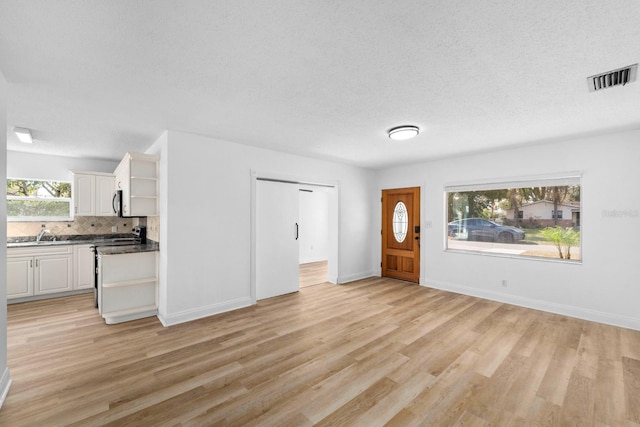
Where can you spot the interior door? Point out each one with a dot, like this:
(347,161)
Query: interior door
(401,234)
(277,232)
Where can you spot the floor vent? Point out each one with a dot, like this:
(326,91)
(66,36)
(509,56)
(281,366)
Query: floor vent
(619,77)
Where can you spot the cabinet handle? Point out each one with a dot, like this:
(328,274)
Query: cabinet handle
(31,264)
(37,262)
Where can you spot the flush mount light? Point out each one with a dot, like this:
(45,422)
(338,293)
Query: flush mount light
(24,135)
(403,132)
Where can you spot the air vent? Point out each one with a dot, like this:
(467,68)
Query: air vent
(619,77)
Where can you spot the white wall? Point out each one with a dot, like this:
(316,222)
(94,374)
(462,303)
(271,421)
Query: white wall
(205,220)
(314,225)
(41,166)
(5,378)
(603,288)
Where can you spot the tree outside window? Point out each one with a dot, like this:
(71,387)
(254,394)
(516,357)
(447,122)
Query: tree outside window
(36,200)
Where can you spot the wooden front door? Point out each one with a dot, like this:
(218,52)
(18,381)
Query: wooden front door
(401,234)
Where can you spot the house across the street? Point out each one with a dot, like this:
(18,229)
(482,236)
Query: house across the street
(542,214)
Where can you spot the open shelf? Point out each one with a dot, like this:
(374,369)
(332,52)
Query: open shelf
(130,311)
(135,282)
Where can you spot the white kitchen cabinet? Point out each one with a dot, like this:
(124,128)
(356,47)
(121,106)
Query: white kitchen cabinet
(19,276)
(84,194)
(105,189)
(127,286)
(52,274)
(137,177)
(84,269)
(36,271)
(93,193)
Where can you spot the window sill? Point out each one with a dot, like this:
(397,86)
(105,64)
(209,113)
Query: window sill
(39,219)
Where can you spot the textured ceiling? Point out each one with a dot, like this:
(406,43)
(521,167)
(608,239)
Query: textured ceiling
(320,78)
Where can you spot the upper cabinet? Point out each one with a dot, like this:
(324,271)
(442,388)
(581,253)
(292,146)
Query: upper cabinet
(137,178)
(93,193)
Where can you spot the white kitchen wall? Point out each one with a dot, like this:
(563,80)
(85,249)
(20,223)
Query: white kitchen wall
(40,166)
(314,225)
(44,166)
(205,220)
(604,288)
(5,378)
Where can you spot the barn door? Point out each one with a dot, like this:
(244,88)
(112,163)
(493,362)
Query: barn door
(277,232)
(401,234)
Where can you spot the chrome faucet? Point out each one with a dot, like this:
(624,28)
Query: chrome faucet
(42,233)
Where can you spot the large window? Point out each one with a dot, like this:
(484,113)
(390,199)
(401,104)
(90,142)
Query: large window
(32,200)
(538,218)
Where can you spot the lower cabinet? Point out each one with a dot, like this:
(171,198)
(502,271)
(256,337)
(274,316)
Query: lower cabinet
(84,267)
(19,276)
(39,271)
(53,273)
(127,286)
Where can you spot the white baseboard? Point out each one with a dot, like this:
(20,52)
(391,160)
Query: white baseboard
(49,296)
(353,277)
(200,312)
(5,384)
(551,307)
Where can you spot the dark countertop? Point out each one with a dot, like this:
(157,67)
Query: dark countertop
(72,239)
(150,246)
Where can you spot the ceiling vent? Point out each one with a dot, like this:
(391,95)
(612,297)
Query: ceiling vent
(619,77)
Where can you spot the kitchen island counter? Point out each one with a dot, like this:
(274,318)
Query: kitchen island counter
(150,246)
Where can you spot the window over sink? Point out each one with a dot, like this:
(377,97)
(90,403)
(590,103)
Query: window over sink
(38,200)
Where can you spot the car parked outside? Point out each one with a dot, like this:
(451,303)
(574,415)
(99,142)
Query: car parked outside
(484,230)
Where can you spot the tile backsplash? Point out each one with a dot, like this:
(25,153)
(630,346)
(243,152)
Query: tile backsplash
(80,225)
(153,228)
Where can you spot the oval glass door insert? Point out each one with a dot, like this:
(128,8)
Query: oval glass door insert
(400,222)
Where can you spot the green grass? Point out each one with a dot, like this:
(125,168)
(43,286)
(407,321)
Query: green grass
(534,235)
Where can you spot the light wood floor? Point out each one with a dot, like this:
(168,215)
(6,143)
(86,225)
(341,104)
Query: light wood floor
(368,353)
(313,273)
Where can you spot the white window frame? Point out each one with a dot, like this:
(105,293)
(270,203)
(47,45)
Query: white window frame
(69,200)
(562,179)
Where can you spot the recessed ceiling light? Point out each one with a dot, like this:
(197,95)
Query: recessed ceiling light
(400,133)
(24,135)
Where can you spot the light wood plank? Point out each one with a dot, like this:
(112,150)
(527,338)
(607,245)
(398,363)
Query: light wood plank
(313,273)
(372,352)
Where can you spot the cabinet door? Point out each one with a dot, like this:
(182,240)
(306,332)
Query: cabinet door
(105,189)
(84,269)
(19,277)
(53,274)
(122,183)
(84,194)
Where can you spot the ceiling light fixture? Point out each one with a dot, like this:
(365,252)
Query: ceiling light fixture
(24,135)
(400,133)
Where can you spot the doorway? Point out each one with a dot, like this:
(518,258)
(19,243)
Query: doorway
(314,235)
(401,234)
(277,230)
